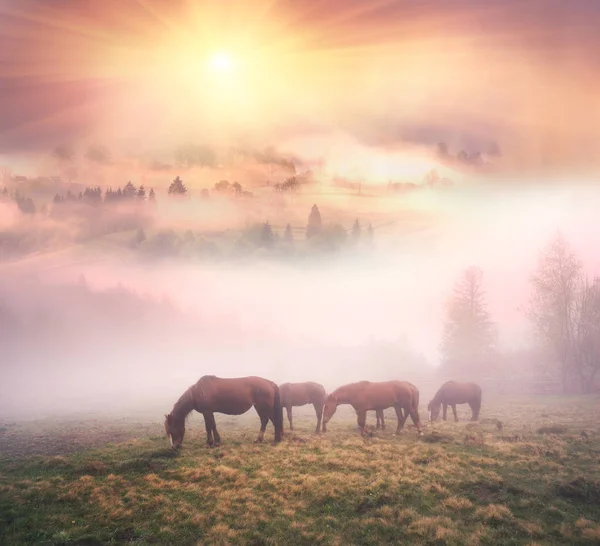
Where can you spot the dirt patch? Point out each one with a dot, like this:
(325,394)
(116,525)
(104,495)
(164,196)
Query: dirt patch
(53,439)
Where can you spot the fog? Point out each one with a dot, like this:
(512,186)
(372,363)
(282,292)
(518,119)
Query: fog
(88,325)
(126,304)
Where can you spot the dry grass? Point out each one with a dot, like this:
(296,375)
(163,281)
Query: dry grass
(461,483)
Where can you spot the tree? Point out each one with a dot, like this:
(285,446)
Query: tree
(141,193)
(587,333)
(129,191)
(314,222)
(152,196)
(177,187)
(25,204)
(468,337)
(356,231)
(266,235)
(222,186)
(288,236)
(553,303)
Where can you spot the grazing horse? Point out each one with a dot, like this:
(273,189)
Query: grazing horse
(300,394)
(452,393)
(366,395)
(229,396)
(379,413)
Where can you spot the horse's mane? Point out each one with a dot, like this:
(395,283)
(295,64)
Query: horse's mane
(185,404)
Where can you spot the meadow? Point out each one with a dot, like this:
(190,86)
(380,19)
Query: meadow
(526,473)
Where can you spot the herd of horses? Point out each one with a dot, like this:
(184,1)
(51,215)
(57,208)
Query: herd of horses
(236,396)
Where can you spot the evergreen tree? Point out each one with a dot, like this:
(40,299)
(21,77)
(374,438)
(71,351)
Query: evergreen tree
(266,236)
(468,338)
(152,196)
(129,191)
(314,222)
(141,193)
(177,187)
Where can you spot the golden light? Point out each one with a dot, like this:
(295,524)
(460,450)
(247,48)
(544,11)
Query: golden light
(221,62)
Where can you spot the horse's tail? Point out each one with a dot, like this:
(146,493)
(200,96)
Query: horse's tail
(277,414)
(415,399)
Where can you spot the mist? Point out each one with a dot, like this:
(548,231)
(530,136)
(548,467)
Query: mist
(93,325)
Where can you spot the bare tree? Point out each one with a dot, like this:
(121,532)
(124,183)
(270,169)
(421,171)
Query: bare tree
(469,335)
(553,305)
(587,333)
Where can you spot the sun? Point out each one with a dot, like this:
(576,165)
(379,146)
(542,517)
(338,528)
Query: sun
(221,62)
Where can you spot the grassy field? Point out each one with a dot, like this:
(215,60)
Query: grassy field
(112,480)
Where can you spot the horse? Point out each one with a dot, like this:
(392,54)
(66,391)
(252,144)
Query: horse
(300,394)
(452,393)
(379,413)
(233,396)
(366,395)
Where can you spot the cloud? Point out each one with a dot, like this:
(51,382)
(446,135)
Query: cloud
(133,75)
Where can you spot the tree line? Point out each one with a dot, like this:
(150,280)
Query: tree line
(563,310)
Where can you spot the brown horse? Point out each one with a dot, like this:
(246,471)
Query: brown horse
(300,394)
(366,395)
(229,396)
(452,393)
(379,413)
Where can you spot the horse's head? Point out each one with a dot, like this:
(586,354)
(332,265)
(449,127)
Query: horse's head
(434,410)
(329,410)
(175,430)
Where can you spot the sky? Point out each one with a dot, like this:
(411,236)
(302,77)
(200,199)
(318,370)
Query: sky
(148,75)
(371,87)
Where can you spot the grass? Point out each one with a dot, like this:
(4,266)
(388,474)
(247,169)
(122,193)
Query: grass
(111,480)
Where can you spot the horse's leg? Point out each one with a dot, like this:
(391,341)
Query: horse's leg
(445,410)
(289,414)
(382,420)
(214,429)
(264,415)
(474,410)
(455,414)
(401,418)
(361,416)
(319,411)
(209,428)
(414,415)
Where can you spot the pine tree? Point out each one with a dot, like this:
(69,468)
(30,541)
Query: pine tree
(141,193)
(468,338)
(314,222)
(152,196)
(129,191)
(177,187)
(266,235)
